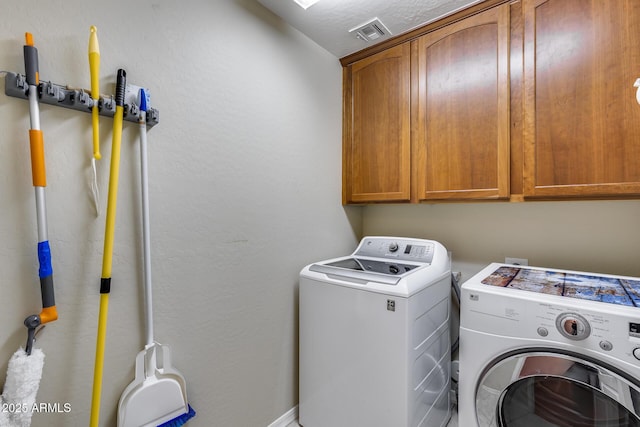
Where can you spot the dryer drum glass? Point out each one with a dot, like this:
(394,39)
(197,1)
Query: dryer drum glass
(562,401)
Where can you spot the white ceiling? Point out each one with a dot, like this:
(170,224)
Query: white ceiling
(328,22)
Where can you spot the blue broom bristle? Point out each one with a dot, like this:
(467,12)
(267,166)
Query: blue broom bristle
(180,420)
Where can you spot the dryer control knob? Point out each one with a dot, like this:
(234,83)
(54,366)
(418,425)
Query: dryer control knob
(393,247)
(606,345)
(636,353)
(573,326)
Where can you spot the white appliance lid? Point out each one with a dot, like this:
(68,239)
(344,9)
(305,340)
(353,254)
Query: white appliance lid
(586,286)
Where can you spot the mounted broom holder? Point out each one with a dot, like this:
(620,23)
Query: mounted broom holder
(15,85)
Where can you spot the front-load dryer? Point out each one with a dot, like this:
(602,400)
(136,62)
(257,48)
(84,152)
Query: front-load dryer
(544,347)
(374,336)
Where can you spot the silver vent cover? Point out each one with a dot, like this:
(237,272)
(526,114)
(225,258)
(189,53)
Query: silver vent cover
(370,31)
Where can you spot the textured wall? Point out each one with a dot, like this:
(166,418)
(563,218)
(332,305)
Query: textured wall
(244,187)
(598,236)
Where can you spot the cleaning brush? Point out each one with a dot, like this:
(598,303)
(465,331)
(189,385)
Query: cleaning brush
(181,420)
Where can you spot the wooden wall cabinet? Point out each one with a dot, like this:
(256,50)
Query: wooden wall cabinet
(429,119)
(581,119)
(377,128)
(530,99)
(462,139)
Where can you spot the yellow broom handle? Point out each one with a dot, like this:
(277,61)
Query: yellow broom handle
(112,197)
(105,282)
(99,363)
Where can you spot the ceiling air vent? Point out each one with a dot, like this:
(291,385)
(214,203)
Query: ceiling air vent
(370,31)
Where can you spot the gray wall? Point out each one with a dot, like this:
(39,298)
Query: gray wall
(245,170)
(596,236)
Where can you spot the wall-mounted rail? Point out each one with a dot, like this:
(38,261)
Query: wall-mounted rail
(76,99)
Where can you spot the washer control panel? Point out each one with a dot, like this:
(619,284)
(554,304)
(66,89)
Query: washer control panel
(397,249)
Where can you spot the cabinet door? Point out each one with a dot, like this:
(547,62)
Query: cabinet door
(377,128)
(582,122)
(462,141)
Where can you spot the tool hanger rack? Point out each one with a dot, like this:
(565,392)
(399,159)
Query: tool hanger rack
(15,85)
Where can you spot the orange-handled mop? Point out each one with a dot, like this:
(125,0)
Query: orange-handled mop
(105,282)
(49,312)
(25,367)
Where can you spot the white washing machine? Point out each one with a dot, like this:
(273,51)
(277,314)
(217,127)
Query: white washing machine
(544,347)
(374,336)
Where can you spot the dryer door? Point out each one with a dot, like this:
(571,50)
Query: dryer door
(546,388)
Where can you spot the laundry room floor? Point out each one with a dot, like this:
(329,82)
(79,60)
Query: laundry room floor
(452,423)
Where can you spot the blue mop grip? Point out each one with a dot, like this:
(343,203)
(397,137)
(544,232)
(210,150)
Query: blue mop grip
(49,312)
(44,257)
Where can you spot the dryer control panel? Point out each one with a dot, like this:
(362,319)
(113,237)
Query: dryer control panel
(397,249)
(573,326)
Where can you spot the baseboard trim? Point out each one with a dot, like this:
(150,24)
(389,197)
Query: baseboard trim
(287,418)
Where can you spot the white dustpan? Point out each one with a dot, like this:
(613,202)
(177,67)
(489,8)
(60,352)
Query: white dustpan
(157,394)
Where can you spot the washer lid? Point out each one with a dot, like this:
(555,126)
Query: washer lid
(377,266)
(364,270)
(379,259)
(397,266)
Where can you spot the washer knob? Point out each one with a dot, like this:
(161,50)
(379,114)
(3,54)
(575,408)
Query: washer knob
(393,247)
(573,326)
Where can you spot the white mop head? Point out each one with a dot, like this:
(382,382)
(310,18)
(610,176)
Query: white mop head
(20,389)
